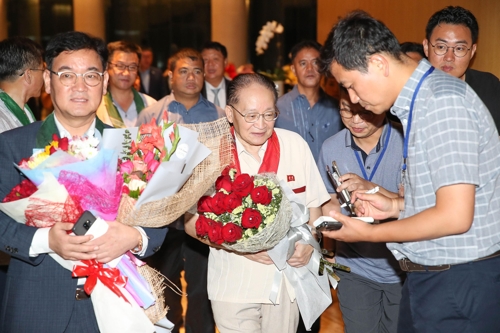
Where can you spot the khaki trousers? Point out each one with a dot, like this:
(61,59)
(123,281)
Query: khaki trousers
(257,317)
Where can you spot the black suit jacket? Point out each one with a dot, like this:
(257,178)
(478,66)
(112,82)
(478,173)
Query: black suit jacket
(487,87)
(204,90)
(39,293)
(157,85)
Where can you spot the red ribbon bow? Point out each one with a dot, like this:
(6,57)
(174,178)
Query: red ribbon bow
(94,270)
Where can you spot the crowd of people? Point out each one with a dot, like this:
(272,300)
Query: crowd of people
(411,123)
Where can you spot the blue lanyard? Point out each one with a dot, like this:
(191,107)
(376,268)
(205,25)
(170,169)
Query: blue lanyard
(410,116)
(360,163)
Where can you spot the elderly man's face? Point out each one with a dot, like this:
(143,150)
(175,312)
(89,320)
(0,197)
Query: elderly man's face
(450,35)
(252,99)
(187,77)
(78,101)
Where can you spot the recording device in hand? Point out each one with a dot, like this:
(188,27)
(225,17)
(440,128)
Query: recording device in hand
(345,196)
(327,223)
(84,223)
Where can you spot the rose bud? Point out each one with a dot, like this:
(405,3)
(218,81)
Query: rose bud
(223,182)
(215,233)
(232,201)
(251,218)
(231,232)
(243,185)
(261,195)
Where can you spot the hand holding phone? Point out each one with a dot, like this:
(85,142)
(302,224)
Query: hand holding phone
(327,223)
(84,223)
(344,194)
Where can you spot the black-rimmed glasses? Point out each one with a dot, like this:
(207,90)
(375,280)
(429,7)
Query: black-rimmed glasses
(348,114)
(68,79)
(121,67)
(458,50)
(253,117)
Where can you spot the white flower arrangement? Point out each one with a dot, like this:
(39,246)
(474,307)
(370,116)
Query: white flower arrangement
(266,34)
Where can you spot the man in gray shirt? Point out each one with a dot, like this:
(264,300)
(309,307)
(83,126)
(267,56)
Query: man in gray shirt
(367,152)
(447,237)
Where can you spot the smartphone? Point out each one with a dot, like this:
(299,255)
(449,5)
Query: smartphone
(84,223)
(344,194)
(327,223)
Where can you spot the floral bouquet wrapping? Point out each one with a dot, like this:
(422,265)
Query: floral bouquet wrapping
(246,214)
(196,156)
(64,179)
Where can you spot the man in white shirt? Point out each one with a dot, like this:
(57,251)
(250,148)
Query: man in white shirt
(122,104)
(215,61)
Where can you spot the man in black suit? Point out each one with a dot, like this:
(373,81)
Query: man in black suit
(152,80)
(40,295)
(215,59)
(450,44)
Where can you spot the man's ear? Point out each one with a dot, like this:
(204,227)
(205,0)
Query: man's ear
(292,68)
(105,79)
(46,80)
(425,44)
(229,113)
(473,50)
(379,63)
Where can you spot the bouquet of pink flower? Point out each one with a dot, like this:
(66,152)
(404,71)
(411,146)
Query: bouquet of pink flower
(246,213)
(142,156)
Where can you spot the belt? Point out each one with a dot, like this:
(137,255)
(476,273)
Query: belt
(80,294)
(409,266)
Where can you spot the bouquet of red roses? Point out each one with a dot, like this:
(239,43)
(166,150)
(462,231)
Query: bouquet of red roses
(246,213)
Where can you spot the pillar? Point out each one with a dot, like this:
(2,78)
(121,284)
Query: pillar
(89,17)
(229,20)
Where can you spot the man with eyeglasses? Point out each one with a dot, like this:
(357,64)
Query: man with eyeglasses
(21,77)
(122,104)
(447,236)
(41,295)
(367,152)
(307,109)
(180,252)
(450,44)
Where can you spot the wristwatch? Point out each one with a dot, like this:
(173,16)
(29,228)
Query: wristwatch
(138,248)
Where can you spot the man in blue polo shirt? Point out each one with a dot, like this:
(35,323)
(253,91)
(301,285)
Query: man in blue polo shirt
(368,152)
(307,109)
(180,252)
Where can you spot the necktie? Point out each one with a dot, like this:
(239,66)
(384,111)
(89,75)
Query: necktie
(216,98)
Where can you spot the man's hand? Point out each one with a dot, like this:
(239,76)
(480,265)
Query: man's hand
(301,256)
(70,247)
(260,257)
(116,241)
(352,182)
(352,230)
(376,205)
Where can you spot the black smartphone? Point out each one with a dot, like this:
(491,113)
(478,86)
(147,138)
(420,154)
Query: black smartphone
(328,226)
(84,223)
(344,194)
(327,223)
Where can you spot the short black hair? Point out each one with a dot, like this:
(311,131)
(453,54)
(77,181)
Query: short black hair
(184,53)
(355,38)
(215,46)
(305,44)
(124,46)
(413,47)
(243,81)
(453,15)
(18,54)
(75,41)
